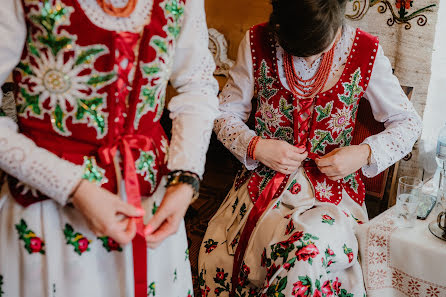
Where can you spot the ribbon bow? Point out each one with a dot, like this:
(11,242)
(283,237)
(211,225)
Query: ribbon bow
(125,144)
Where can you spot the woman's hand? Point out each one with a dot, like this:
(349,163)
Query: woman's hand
(279,155)
(169,215)
(344,161)
(106,213)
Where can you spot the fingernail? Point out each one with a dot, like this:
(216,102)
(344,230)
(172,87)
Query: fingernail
(148,230)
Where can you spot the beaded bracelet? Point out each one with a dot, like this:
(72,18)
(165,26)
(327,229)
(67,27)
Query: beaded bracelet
(184,177)
(252,147)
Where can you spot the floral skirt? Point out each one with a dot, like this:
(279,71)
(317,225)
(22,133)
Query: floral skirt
(299,247)
(48,251)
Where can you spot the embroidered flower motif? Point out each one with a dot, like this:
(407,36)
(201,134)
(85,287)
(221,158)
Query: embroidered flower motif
(324,190)
(349,253)
(93,173)
(77,240)
(290,228)
(58,80)
(327,289)
(110,244)
(327,219)
(33,244)
(145,166)
(151,289)
(27,189)
(210,245)
(339,120)
(295,187)
(405,4)
(303,287)
(270,115)
(307,252)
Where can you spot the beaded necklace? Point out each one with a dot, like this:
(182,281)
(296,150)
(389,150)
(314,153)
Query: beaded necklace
(124,11)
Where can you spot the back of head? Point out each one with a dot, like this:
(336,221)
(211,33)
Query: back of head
(306,27)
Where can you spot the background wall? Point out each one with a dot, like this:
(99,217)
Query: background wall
(234,17)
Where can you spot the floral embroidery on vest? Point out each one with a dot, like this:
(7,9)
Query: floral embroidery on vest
(66,82)
(76,239)
(33,244)
(145,166)
(320,141)
(323,112)
(157,72)
(93,173)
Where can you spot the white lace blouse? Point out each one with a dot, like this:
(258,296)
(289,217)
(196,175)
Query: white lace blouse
(388,101)
(193,111)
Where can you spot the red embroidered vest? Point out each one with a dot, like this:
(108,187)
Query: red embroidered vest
(333,119)
(86,92)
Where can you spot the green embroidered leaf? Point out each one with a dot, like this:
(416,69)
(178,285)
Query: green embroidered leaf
(87,55)
(174,30)
(92,172)
(151,289)
(323,112)
(2,113)
(55,43)
(353,182)
(25,68)
(154,208)
(31,101)
(262,128)
(344,137)
(352,89)
(265,82)
(286,108)
(320,141)
(285,133)
(150,70)
(100,79)
(161,44)
(59,117)
(282,284)
(90,108)
(175,8)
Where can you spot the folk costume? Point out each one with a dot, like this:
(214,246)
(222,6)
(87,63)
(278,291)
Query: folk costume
(278,235)
(91,92)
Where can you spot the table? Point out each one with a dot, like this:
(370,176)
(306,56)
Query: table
(402,261)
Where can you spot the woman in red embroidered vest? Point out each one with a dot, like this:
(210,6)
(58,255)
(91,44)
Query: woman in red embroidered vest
(286,227)
(84,210)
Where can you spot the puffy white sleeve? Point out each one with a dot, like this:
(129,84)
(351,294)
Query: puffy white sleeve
(235,107)
(19,156)
(390,106)
(194,110)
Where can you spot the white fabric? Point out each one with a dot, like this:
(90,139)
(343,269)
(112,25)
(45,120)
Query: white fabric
(389,105)
(192,111)
(96,272)
(400,261)
(34,167)
(284,216)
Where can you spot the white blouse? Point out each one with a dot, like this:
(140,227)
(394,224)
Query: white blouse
(193,111)
(388,101)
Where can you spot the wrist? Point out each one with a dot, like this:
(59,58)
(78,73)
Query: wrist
(185,179)
(75,192)
(366,154)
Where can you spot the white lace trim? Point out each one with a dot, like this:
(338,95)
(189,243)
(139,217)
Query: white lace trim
(134,23)
(35,167)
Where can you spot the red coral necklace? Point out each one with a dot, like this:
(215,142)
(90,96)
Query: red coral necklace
(123,12)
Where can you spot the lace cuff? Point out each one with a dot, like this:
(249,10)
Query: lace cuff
(34,166)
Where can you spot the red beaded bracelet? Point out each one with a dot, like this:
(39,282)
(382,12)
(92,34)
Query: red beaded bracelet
(252,147)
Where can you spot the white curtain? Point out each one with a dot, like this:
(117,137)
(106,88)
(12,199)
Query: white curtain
(435,112)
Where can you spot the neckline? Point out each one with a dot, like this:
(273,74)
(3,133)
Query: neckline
(336,85)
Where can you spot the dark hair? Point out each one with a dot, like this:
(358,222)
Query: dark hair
(306,27)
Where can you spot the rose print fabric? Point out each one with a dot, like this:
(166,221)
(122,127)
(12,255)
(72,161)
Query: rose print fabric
(300,246)
(61,257)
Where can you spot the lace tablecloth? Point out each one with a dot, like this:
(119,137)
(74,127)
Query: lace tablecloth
(402,261)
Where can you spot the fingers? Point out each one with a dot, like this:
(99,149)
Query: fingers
(129,210)
(167,228)
(156,221)
(126,235)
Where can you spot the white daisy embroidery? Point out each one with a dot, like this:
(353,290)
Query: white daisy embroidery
(339,120)
(324,190)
